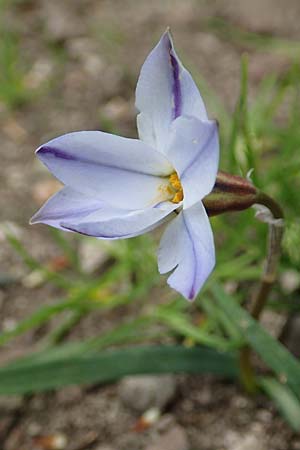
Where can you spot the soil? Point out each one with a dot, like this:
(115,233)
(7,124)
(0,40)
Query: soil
(83,59)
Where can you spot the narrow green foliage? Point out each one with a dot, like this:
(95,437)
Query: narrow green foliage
(274,354)
(38,375)
(240,145)
(180,323)
(13,91)
(285,400)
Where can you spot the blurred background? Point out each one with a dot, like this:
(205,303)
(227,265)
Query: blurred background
(73,65)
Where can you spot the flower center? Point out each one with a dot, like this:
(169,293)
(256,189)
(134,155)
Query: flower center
(176,188)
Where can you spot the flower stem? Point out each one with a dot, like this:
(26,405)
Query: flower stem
(273,253)
(274,218)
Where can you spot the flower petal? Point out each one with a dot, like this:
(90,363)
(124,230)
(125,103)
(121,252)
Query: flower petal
(66,204)
(194,151)
(110,223)
(123,172)
(187,246)
(165,90)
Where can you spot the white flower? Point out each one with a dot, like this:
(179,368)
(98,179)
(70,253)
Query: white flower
(119,188)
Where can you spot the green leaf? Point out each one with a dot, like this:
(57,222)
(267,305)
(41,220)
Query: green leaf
(274,354)
(38,318)
(179,322)
(38,375)
(219,317)
(284,398)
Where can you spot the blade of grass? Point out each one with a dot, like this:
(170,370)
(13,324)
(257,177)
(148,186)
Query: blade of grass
(108,366)
(284,398)
(179,323)
(220,317)
(245,124)
(274,354)
(82,294)
(132,331)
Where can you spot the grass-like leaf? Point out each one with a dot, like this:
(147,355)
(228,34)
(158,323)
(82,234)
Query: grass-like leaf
(273,353)
(284,398)
(37,375)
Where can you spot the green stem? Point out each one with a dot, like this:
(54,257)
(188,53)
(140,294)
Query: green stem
(268,278)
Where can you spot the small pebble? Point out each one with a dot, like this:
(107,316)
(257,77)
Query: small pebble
(174,439)
(10,403)
(104,447)
(69,395)
(250,440)
(61,22)
(165,423)
(56,441)
(290,281)
(144,392)
(92,255)
(204,397)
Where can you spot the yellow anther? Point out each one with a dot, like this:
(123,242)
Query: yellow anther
(175,182)
(178,197)
(176,187)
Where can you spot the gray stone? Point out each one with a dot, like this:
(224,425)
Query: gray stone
(10,403)
(61,22)
(92,255)
(248,440)
(174,439)
(104,447)
(165,422)
(273,322)
(143,392)
(290,281)
(69,395)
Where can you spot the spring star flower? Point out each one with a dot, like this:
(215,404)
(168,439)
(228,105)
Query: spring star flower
(117,188)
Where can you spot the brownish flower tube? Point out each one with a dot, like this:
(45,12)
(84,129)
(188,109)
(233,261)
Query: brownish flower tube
(230,193)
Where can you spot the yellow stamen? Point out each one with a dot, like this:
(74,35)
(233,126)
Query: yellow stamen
(177,188)
(178,197)
(175,182)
